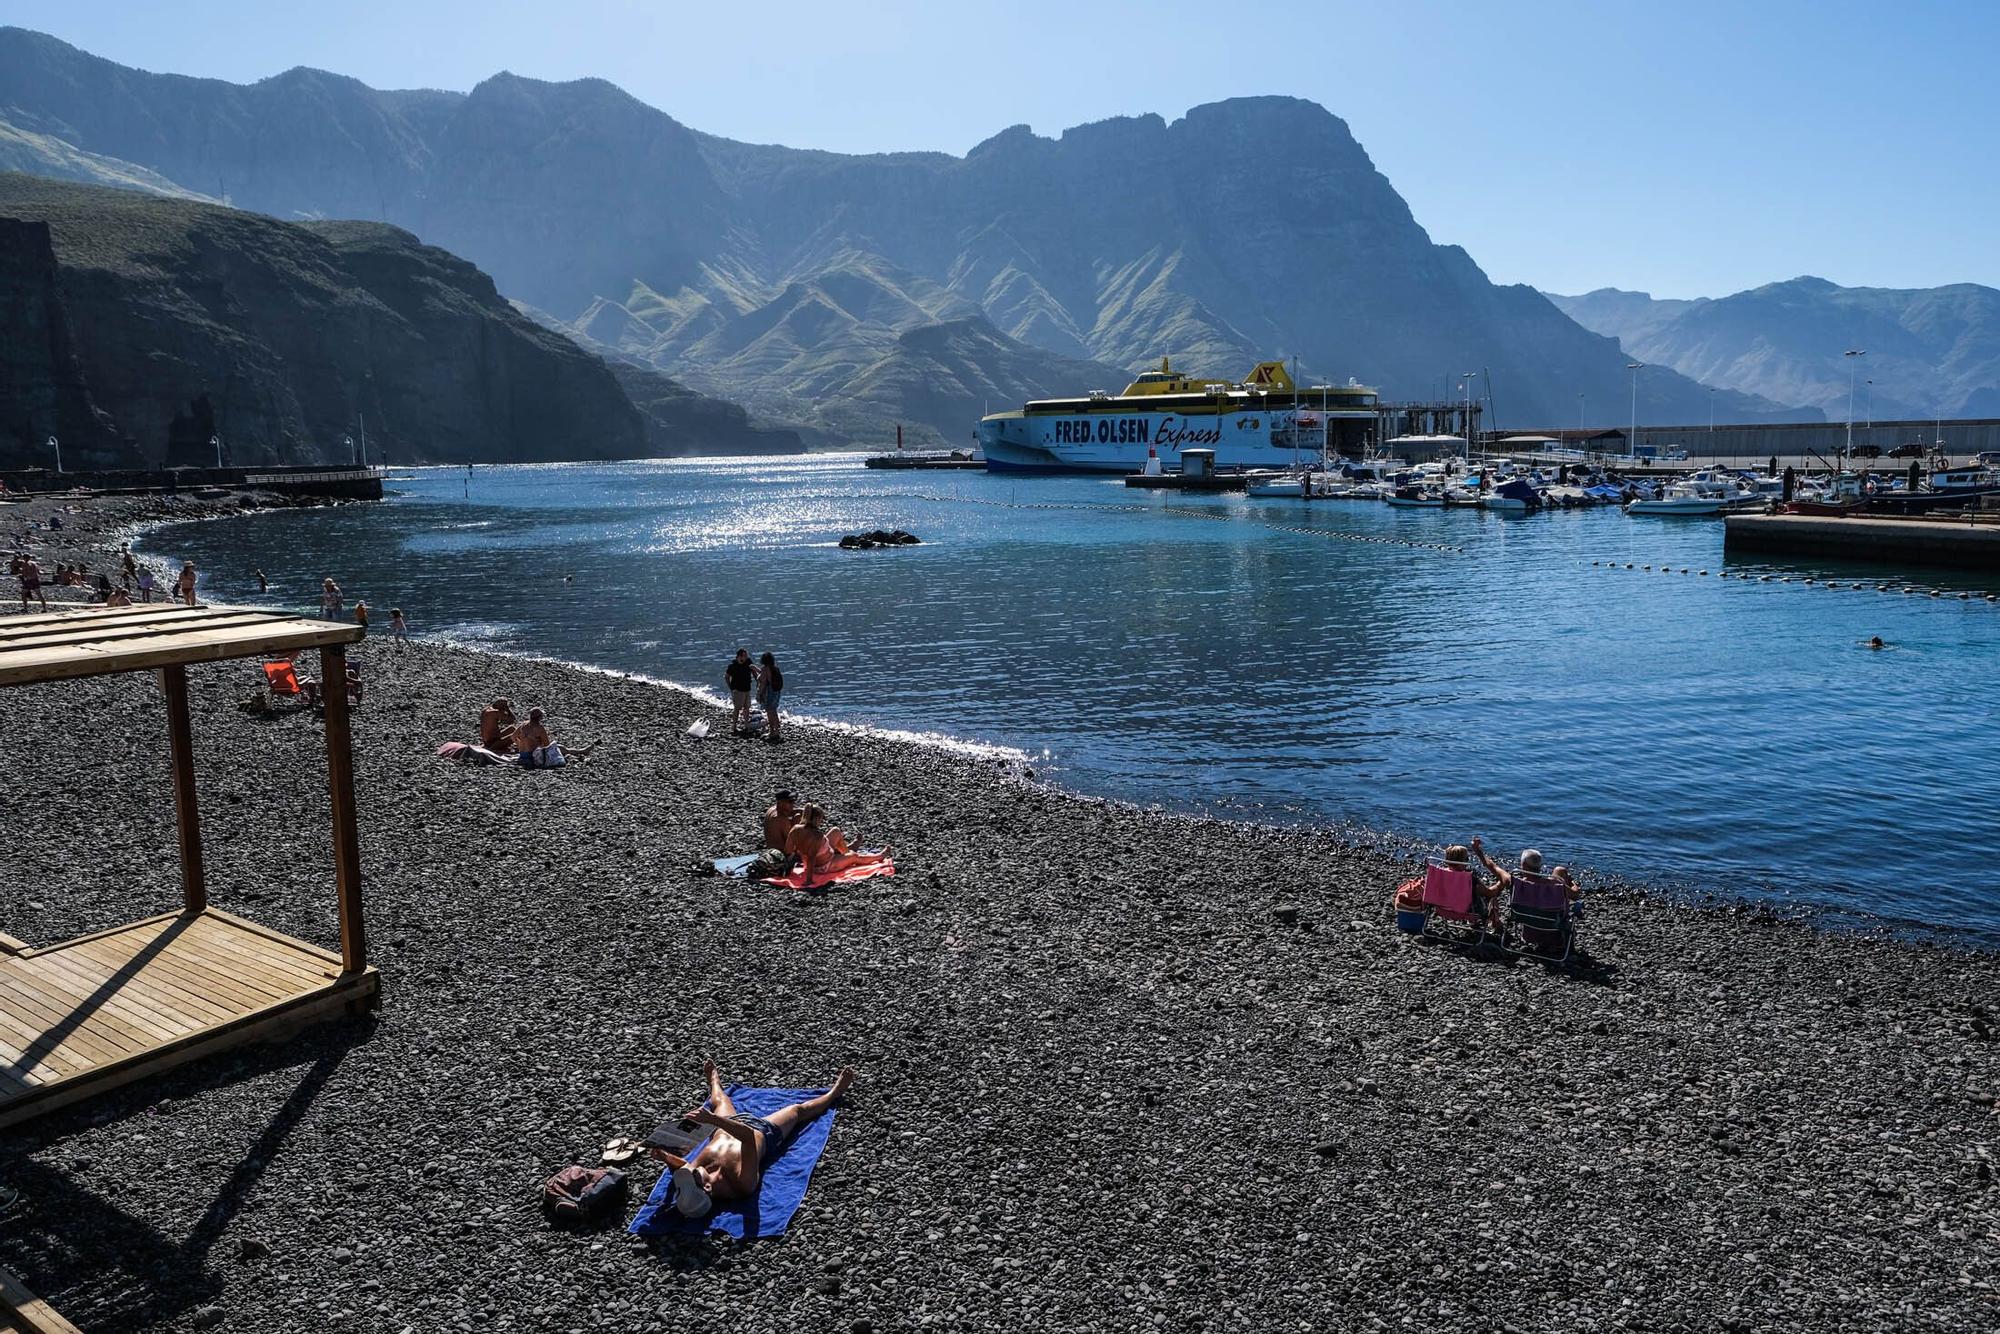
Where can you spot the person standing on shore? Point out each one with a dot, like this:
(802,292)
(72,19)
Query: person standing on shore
(30,571)
(145,583)
(131,566)
(187,582)
(399,630)
(770,685)
(361,614)
(329,599)
(739,675)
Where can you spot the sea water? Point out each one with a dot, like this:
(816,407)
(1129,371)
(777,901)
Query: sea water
(1434,673)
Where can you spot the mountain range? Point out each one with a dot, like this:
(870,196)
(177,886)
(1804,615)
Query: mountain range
(136,329)
(1930,352)
(845,293)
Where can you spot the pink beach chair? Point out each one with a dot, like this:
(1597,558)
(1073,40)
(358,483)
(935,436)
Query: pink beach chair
(1451,909)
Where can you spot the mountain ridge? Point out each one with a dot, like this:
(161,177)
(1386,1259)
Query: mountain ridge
(1239,231)
(1930,352)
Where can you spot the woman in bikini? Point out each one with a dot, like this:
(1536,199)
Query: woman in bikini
(824,852)
(730,1166)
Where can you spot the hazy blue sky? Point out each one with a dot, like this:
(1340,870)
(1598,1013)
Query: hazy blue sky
(1687,148)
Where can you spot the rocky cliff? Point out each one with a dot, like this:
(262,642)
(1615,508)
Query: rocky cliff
(42,392)
(192,320)
(1931,352)
(1247,229)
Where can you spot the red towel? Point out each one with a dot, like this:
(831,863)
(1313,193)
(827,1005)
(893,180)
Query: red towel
(797,879)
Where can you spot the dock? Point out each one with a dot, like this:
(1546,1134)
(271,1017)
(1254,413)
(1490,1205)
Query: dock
(1968,542)
(1174,481)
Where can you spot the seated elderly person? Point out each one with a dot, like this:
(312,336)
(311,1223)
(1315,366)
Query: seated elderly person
(1409,899)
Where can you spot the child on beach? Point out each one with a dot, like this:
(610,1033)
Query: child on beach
(145,583)
(361,614)
(399,630)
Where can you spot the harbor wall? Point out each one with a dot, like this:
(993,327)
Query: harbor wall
(295,480)
(1962,542)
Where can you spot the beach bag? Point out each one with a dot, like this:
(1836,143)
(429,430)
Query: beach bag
(580,1194)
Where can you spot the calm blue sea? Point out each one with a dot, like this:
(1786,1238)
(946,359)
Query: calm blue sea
(1258,659)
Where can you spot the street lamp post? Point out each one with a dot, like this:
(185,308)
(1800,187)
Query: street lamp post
(216,440)
(1632,444)
(1868,412)
(1851,354)
(56,445)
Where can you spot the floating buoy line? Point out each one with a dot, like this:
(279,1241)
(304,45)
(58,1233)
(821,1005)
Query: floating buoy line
(1181,511)
(1808,581)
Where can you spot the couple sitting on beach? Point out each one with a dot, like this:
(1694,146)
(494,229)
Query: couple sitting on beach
(798,837)
(503,739)
(1485,893)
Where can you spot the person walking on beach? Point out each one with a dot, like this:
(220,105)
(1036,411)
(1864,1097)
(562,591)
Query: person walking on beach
(187,582)
(770,685)
(740,674)
(361,615)
(399,629)
(730,1166)
(145,583)
(30,572)
(131,566)
(329,599)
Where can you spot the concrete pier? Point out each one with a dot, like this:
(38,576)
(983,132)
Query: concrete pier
(1965,542)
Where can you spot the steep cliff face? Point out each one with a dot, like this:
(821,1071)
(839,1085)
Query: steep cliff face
(42,391)
(291,334)
(1931,351)
(1246,229)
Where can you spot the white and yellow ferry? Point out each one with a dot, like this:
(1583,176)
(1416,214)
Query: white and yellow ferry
(1266,421)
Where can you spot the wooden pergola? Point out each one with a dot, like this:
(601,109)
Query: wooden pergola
(117,1005)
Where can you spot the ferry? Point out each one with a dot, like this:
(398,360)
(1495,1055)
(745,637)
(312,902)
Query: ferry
(1263,421)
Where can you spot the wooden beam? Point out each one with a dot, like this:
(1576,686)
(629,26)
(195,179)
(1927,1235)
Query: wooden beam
(187,819)
(340,783)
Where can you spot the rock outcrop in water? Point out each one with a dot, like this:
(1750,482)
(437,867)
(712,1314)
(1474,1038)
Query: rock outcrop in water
(1246,229)
(193,321)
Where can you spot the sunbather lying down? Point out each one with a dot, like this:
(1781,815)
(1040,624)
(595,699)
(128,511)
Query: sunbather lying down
(730,1166)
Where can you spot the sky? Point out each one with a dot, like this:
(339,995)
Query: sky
(1686,149)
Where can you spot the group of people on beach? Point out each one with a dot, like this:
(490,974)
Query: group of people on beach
(504,738)
(1486,893)
(765,680)
(796,836)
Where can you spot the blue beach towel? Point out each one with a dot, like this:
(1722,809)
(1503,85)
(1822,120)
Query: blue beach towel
(778,1198)
(735,868)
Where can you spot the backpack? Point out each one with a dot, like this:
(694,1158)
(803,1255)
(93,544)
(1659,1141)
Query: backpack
(579,1194)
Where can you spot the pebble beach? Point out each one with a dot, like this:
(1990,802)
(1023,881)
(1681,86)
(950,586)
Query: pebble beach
(1117,1069)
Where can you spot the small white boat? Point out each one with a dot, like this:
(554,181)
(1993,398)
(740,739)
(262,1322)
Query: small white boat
(1681,498)
(1296,486)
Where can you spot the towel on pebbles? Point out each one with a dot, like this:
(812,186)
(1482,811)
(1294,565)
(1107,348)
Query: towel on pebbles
(780,1193)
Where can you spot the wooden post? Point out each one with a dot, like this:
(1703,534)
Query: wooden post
(187,819)
(340,781)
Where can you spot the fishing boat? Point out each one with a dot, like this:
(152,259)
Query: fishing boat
(1315,484)
(1516,494)
(1416,496)
(1264,421)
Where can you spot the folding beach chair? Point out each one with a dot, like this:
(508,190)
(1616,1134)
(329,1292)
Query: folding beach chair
(1539,910)
(1451,910)
(283,680)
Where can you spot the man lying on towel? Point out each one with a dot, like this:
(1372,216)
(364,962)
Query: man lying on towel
(730,1166)
(823,853)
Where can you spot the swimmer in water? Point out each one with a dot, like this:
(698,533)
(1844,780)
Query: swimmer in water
(1875,641)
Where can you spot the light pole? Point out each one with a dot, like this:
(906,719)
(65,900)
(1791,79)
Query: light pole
(1466,421)
(1851,354)
(216,440)
(1632,444)
(1580,427)
(1869,412)
(56,445)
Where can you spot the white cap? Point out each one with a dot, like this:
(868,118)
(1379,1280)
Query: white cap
(689,1197)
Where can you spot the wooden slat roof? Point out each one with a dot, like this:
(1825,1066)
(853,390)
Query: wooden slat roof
(60,645)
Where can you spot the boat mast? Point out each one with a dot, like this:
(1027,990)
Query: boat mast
(1295,413)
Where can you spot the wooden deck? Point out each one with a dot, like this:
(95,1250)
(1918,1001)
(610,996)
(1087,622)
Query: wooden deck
(92,1013)
(22,1312)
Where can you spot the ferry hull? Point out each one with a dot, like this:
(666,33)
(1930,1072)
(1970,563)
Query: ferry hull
(1115,445)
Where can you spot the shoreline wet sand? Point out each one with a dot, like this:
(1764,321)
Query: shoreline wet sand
(1117,1069)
